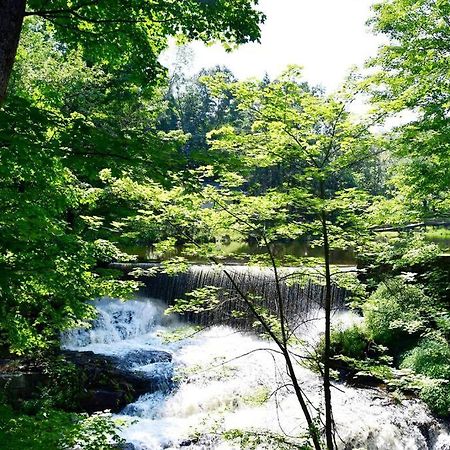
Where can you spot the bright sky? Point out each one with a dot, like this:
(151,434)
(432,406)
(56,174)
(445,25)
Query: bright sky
(326,37)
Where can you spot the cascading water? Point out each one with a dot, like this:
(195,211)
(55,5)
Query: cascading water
(227,379)
(259,281)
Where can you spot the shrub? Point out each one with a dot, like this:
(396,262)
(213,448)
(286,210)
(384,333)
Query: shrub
(395,311)
(43,431)
(51,429)
(437,396)
(431,357)
(350,342)
(96,432)
(65,384)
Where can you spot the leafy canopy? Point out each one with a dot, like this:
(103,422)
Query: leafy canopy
(413,76)
(129,36)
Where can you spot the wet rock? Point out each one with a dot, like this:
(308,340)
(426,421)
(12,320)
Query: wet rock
(105,382)
(127,446)
(100,399)
(20,385)
(365,379)
(19,379)
(110,381)
(142,357)
(188,442)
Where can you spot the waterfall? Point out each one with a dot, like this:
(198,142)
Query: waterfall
(227,379)
(298,300)
(118,322)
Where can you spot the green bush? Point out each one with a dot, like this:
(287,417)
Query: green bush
(96,432)
(57,430)
(395,312)
(65,385)
(431,357)
(43,431)
(437,397)
(350,342)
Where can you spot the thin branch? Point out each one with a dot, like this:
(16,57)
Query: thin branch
(243,355)
(62,11)
(333,134)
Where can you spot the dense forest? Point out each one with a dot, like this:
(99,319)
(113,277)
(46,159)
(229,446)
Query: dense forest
(116,174)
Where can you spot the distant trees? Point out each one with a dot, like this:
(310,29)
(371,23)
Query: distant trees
(192,108)
(321,146)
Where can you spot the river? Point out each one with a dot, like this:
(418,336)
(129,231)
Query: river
(221,379)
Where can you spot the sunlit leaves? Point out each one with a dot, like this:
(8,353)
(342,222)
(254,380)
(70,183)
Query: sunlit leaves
(199,300)
(49,270)
(127,38)
(412,74)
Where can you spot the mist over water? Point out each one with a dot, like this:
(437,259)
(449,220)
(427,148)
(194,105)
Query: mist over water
(227,379)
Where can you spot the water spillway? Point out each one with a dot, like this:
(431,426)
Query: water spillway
(224,379)
(299,299)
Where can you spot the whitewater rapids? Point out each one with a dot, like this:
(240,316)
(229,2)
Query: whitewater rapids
(227,380)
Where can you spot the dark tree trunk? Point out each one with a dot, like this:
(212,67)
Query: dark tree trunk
(11,18)
(287,357)
(329,423)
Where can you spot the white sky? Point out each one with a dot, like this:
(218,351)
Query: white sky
(326,37)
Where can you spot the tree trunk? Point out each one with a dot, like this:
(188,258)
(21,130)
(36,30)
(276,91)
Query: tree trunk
(287,357)
(329,423)
(299,394)
(11,18)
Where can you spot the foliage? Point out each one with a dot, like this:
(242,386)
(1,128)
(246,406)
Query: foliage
(412,75)
(41,432)
(196,301)
(257,439)
(431,357)
(103,120)
(379,367)
(43,253)
(353,348)
(404,318)
(52,429)
(409,255)
(402,252)
(350,341)
(96,432)
(395,311)
(129,44)
(64,386)
(437,396)
(192,108)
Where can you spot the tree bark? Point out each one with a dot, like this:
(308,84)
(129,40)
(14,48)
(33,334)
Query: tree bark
(329,423)
(299,394)
(12,13)
(287,357)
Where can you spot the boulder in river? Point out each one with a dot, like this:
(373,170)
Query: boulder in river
(111,382)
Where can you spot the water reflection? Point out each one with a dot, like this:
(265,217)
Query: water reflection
(238,251)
